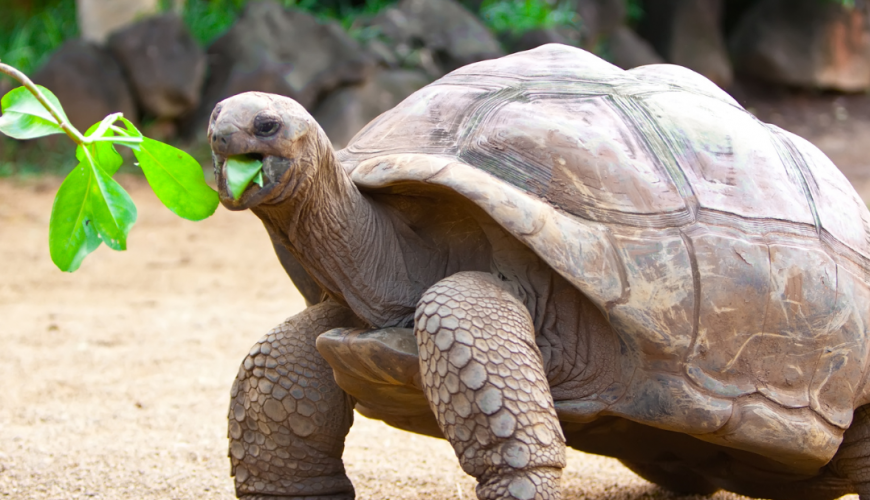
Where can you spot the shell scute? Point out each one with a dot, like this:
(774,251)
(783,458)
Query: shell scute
(787,434)
(840,210)
(680,79)
(431,121)
(728,158)
(672,403)
(580,154)
(838,384)
(659,267)
(734,276)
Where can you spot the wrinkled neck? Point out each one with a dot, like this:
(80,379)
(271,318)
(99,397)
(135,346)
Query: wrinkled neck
(346,243)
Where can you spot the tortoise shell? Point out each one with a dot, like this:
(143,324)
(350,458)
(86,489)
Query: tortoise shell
(729,255)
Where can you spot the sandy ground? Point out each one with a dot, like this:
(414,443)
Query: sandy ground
(115,380)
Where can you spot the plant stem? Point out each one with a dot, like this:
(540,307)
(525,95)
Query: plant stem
(65,125)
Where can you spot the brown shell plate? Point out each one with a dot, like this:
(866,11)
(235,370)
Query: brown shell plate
(730,255)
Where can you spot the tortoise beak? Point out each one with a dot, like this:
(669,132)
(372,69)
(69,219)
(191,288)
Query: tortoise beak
(274,171)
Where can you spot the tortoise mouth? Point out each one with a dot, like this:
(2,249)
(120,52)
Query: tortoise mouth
(274,172)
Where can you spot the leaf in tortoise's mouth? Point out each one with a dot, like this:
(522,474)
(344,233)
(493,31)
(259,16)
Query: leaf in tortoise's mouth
(240,172)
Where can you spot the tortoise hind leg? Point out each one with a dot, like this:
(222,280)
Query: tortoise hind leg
(852,460)
(484,378)
(288,418)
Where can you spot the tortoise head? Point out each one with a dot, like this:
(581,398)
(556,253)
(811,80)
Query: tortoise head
(271,129)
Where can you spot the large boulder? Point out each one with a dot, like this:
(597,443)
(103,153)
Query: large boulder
(627,49)
(163,63)
(98,18)
(689,33)
(600,19)
(281,51)
(89,83)
(347,110)
(444,28)
(805,43)
(287,52)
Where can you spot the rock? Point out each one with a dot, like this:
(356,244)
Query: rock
(287,52)
(382,53)
(98,18)
(535,38)
(164,64)
(347,110)
(89,83)
(688,33)
(452,34)
(805,43)
(627,49)
(600,18)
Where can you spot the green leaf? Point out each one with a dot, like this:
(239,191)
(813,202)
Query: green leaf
(103,153)
(131,129)
(241,170)
(24,117)
(177,179)
(71,237)
(89,207)
(258,180)
(112,208)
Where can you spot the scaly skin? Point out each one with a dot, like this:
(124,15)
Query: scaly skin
(484,378)
(288,417)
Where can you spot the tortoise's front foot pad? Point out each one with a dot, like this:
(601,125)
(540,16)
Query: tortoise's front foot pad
(484,378)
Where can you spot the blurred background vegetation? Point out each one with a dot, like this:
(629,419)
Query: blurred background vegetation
(31,29)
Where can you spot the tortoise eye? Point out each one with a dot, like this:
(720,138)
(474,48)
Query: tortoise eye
(265,126)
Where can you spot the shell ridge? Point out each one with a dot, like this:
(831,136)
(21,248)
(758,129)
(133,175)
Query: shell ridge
(696,292)
(637,114)
(644,86)
(796,164)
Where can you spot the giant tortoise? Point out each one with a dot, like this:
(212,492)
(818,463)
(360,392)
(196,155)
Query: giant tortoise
(545,250)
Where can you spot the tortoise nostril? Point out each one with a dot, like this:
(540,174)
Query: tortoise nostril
(213,137)
(223,140)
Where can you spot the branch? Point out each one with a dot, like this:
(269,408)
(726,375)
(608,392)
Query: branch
(65,125)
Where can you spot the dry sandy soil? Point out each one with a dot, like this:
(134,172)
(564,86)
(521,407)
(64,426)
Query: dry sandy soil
(115,379)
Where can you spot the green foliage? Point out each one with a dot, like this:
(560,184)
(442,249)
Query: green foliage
(241,171)
(90,207)
(519,16)
(177,179)
(25,118)
(208,19)
(29,35)
(634,11)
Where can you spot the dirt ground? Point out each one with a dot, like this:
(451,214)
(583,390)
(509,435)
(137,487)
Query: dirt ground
(115,379)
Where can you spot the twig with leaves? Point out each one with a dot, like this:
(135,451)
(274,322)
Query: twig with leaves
(90,207)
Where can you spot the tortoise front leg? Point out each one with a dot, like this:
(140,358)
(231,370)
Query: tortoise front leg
(484,378)
(288,418)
